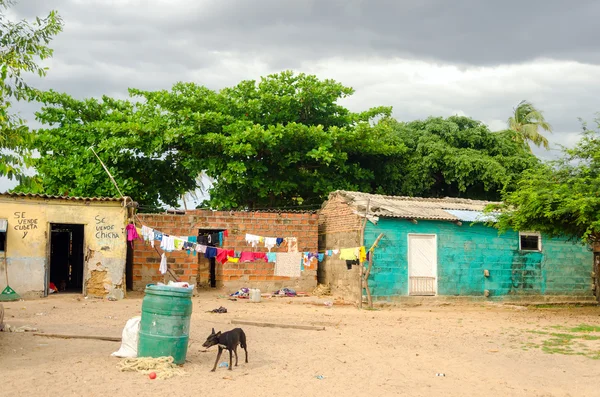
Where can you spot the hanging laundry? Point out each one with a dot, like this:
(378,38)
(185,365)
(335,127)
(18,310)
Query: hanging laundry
(203,240)
(221,238)
(178,243)
(211,252)
(350,263)
(253,256)
(278,241)
(192,239)
(320,257)
(232,259)
(329,252)
(287,264)
(223,254)
(253,240)
(271,257)
(305,260)
(292,244)
(167,243)
(335,252)
(201,248)
(225,233)
(158,236)
(270,242)
(362,254)
(348,254)
(132,233)
(163,264)
(146,233)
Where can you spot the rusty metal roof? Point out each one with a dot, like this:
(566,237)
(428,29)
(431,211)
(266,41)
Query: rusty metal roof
(49,197)
(408,207)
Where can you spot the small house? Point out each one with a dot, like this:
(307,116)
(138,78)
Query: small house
(445,247)
(50,243)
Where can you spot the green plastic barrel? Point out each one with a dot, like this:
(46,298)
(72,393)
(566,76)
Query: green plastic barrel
(165,323)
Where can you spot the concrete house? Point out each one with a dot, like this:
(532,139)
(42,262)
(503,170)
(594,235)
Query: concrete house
(76,243)
(442,247)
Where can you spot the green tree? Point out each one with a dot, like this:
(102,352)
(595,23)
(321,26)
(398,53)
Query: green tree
(22,45)
(561,197)
(527,121)
(455,157)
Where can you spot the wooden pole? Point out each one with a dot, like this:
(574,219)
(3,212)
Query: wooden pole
(369,298)
(273,325)
(360,264)
(63,336)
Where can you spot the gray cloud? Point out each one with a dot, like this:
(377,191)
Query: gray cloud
(424,57)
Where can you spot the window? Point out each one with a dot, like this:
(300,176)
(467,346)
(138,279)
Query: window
(530,241)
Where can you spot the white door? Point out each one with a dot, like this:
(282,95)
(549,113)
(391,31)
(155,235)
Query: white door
(422,264)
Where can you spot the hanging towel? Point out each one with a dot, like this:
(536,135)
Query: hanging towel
(232,259)
(222,255)
(158,236)
(253,256)
(287,264)
(225,233)
(362,254)
(132,233)
(221,234)
(292,244)
(192,239)
(211,252)
(271,257)
(278,241)
(163,264)
(167,243)
(270,242)
(348,254)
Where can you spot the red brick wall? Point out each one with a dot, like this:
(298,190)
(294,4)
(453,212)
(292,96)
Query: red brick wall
(195,269)
(339,227)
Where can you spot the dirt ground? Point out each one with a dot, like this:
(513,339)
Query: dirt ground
(482,349)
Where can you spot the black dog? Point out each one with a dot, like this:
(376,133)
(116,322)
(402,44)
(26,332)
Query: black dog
(227,340)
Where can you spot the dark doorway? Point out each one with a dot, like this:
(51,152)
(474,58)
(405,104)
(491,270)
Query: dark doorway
(129,268)
(212,263)
(66,257)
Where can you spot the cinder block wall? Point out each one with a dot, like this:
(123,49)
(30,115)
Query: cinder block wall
(561,269)
(232,276)
(339,227)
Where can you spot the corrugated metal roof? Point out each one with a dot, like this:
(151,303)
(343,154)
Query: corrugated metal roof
(473,216)
(408,207)
(49,197)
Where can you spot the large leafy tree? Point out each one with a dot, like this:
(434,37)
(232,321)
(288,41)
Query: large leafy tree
(561,197)
(456,157)
(23,45)
(527,121)
(282,141)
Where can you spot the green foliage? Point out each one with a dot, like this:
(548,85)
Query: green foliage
(282,141)
(562,197)
(527,121)
(22,45)
(454,157)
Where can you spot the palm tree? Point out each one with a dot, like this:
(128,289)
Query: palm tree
(527,122)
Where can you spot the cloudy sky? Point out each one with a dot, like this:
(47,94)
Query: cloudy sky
(423,57)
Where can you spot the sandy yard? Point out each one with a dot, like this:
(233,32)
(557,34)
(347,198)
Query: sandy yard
(483,350)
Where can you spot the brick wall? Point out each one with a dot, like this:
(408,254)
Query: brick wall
(232,276)
(339,227)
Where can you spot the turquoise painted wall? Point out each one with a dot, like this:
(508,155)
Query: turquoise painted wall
(562,268)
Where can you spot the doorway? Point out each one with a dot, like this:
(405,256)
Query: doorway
(66,257)
(422,264)
(207,265)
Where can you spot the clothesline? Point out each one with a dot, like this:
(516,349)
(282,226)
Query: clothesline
(285,262)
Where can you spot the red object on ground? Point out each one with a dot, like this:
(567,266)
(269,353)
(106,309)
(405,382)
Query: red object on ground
(152,375)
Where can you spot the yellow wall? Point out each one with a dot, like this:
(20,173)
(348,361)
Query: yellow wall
(27,252)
